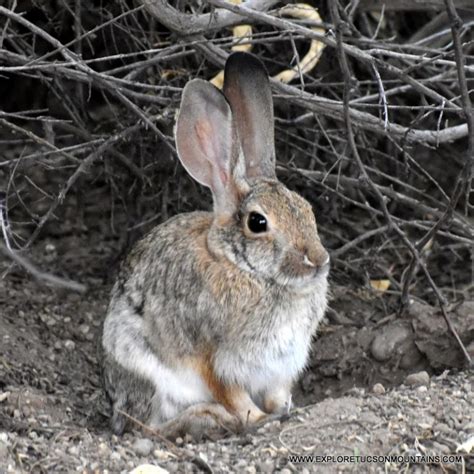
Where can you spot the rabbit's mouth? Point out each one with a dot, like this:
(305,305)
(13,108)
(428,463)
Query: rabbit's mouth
(301,273)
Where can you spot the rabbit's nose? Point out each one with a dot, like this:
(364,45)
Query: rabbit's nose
(317,259)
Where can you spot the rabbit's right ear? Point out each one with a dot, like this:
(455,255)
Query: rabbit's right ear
(247,88)
(206,140)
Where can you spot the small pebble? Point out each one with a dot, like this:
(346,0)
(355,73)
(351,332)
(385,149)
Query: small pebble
(73,450)
(70,345)
(266,466)
(425,426)
(4,396)
(274,424)
(378,389)
(115,456)
(441,448)
(50,248)
(84,328)
(469,427)
(143,446)
(442,428)
(103,448)
(417,379)
(162,455)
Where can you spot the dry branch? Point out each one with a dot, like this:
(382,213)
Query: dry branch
(411,5)
(192,24)
(380,138)
(47,278)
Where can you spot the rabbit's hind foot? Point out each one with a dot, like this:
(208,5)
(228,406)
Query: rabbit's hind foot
(130,396)
(203,420)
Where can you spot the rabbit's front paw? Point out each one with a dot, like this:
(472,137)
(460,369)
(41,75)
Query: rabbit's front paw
(278,401)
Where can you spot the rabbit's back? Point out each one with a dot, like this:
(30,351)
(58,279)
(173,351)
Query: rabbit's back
(160,280)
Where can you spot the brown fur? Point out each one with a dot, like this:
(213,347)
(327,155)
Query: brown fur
(230,286)
(235,399)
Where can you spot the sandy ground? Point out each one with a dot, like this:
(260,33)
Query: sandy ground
(377,385)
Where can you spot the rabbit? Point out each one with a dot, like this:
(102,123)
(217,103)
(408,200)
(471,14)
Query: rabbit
(211,318)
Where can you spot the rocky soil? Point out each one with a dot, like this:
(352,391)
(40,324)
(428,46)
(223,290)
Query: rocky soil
(377,385)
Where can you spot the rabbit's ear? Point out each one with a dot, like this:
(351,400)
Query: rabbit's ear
(206,140)
(247,88)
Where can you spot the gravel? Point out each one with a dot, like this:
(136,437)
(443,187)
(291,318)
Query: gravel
(143,446)
(420,378)
(53,415)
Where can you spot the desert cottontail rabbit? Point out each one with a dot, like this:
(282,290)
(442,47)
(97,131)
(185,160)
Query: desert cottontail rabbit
(211,318)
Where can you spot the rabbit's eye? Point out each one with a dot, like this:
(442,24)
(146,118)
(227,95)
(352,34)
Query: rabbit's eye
(257,223)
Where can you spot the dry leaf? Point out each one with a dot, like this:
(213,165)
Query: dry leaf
(380,285)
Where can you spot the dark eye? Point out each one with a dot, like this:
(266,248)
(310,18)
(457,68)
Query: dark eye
(257,223)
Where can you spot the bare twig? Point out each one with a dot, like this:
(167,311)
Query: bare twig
(414,251)
(82,168)
(456,24)
(47,278)
(410,5)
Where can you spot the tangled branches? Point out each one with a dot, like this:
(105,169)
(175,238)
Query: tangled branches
(379,135)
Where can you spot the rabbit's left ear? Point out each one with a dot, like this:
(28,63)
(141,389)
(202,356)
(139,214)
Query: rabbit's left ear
(247,88)
(206,142)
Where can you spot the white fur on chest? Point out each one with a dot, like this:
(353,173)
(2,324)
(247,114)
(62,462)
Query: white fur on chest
(279,359)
